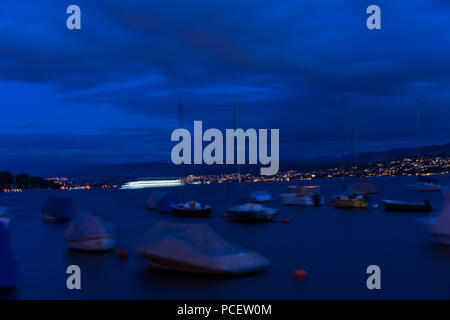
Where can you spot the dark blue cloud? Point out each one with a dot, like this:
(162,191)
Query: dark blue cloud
(309,68)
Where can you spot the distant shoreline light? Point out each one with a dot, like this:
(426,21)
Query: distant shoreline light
(141,184)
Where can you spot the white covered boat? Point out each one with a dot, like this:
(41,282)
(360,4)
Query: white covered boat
(197,248)
(251,212)
(87,232)
(423,186)
(440,227)
(302,196)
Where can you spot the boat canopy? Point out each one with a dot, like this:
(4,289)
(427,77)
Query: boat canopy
(87,226)
(58,208)
(197,248)
(8,263)
(363,187)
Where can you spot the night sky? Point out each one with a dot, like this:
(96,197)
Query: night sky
(108,93)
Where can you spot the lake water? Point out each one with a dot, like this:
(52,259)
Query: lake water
(334,246)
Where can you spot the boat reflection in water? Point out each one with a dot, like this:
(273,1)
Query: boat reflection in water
(152,183)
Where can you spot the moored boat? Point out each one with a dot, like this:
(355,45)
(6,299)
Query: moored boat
(439,227)
(87,232)
(405,206)
(191,209)
(423,186)
(251,212)
(302,196)
(58,209)
(197,248)
(351,200)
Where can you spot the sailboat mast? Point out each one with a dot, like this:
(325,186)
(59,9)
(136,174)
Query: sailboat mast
(180,125)
(355,145)
(418,128)
(235,122)
(343,136)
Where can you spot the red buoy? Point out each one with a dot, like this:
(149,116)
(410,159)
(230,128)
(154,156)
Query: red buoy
(299,274)
(224,215)
(331,204)
(122,254)
(286,220)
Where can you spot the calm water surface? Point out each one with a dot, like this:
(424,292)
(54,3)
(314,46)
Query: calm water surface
(334,246)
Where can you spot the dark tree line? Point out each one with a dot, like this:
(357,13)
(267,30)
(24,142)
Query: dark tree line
(25,181)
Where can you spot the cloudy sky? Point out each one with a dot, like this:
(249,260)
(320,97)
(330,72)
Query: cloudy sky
(108,93)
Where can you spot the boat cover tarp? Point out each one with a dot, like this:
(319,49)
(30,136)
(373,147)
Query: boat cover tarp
(60,208)
(8,263)
(87,226)
(363,187)
(197,248)
(441,225)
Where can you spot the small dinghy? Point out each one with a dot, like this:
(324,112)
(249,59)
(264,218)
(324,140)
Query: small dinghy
(8,263)
(423,186)
(260,197)
(4,217)
(351,199)
(251,212)
(440,227)
(197,248)
(191,209)
(58,209)
(404,206)
(87,232)
(302,196)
